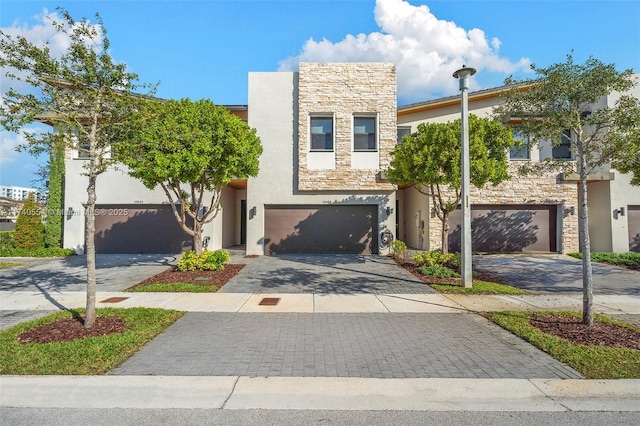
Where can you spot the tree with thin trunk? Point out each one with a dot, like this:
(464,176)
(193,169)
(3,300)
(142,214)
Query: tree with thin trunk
(84,94)
(429,160)
(563,101)
(192,150)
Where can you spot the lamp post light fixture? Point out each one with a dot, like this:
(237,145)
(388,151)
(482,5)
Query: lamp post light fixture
(463,75)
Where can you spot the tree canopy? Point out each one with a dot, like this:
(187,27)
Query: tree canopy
(192,150)
(86,97)
(570,97)
(429,160)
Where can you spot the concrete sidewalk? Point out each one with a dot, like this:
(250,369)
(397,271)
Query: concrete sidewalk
(319,393)
(322,393)
(318,303)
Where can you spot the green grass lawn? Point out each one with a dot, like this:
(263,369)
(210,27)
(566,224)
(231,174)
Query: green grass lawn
(593,362)
(89,356)
(174,287)
(479,287)
(4,265)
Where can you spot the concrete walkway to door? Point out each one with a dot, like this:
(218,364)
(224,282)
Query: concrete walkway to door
(331,273)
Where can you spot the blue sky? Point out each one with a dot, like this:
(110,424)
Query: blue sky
(206,48)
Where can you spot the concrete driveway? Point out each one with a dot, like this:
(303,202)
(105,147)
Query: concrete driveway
(332,273)
(114,272)
(556,273)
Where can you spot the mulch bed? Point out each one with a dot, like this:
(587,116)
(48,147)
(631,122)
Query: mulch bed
(565,327)
(600,334)
(68,329)
(411,267)
(171,275)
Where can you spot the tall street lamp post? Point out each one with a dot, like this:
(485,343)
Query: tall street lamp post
(463,75)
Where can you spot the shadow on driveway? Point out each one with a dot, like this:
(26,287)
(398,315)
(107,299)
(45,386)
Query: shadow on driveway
(114,272)
(556,273)
(335,274)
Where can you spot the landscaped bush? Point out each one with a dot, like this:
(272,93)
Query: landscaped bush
(630,259)
(437,258)
(437,271)
(39,252)
(6,240)
(207,261)
(398,249)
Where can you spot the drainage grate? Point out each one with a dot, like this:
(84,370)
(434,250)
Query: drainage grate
(269,301)
(114,300)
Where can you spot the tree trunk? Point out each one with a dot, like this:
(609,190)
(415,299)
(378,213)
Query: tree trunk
(197,237)
(445,232)
(197,243)
(585,246)
(90,251)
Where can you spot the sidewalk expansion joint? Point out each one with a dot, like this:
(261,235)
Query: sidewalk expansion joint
(233,388)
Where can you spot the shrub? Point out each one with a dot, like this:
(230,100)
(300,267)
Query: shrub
(207,261)
(437,258)
(438,271)
(398,248)
(6,240)
(39,252)
(29,232)
(631,259)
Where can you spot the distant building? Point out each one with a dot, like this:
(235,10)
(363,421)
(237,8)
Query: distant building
(20,193)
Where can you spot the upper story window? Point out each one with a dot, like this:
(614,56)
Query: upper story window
(83,150)
(402,132)
(521,150)
(563,151)
(321,133)
(364,134)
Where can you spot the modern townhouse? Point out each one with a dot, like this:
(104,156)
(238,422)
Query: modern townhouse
(328,131)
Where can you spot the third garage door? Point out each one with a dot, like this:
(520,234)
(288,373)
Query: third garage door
(321,229)
(508,228)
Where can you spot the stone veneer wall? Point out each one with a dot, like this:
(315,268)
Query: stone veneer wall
(345,89)
(541,189)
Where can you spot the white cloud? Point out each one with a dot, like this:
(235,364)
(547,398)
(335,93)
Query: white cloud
(10,141)
(426,50)
(40,32)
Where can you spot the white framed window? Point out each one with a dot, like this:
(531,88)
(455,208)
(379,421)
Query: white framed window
(521,150)
(402,132)
(563,151)
(365,132)
(321,132)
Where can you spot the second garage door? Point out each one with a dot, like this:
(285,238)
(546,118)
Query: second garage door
(139,229)
(321,229)
(508,228)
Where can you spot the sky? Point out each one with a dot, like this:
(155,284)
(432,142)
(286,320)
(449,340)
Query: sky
(206,48)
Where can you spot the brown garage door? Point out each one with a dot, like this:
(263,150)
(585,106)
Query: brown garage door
(139,229)
(508,229)
(321,229)
(633,214)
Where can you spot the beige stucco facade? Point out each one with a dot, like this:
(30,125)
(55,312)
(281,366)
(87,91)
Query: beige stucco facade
(293,175)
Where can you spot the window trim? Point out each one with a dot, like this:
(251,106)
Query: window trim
(324,115)
(369,115)
(566,135)
(398,128)
(526,144)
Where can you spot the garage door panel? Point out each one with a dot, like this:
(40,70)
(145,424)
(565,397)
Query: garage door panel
(633,214)
(137,229)
(321,229)
(498,229)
